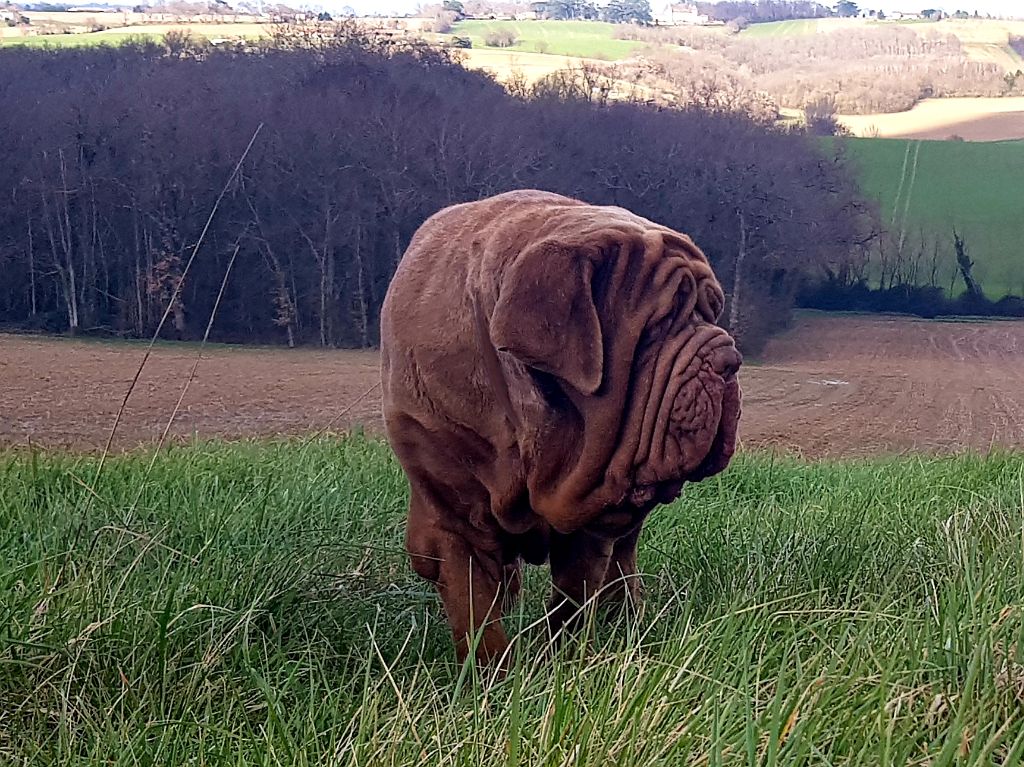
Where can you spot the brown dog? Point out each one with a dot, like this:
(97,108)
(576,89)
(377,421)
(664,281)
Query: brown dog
(551,372)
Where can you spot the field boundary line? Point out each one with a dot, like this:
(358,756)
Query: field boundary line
(907,197)
(899,189)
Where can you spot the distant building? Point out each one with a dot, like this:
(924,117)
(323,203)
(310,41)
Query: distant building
(678,14)
(904,15)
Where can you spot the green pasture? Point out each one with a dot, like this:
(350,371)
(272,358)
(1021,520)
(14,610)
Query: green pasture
(155,33)
(78,40)
(801,27)
(250,604)
(792,28)
(585,39)
(926,188)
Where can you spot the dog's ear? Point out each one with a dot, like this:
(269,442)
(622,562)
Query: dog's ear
(546,317)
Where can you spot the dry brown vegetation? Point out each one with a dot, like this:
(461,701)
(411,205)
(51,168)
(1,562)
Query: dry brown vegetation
(865,70)
(516,65)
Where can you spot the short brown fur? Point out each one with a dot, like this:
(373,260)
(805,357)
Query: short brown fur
(551,372)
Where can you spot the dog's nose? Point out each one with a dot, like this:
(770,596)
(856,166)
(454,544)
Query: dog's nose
(727,361)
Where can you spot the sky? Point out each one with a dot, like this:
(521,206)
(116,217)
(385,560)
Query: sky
(995,7)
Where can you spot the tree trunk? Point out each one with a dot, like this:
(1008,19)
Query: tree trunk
(737,277)
(179,318)
(966,266)
(327,277)
(297,324)
(71,282)
(140,318)
(323,305)
(72,289)
(363,309)
(31,270)
(283,301)
(63,265)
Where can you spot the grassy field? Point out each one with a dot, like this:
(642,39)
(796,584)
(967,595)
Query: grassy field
(559,39)
(933,186)
(149,31)
(801,27)
(250,604)
(792,28)
(584,39)
(503,63)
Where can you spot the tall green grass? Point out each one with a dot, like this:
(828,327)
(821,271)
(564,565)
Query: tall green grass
(250,604)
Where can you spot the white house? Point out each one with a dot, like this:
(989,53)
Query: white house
(671,14)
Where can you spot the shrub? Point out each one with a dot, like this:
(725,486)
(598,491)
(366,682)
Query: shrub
(443,22)
(820,115)
(501,38)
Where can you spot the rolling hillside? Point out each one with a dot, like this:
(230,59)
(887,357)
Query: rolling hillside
(985,40)
(929,187)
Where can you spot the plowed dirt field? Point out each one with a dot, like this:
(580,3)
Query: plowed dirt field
(831,386)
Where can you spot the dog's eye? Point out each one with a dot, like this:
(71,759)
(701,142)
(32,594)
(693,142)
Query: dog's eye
(654,335)
(711,301)
(549,388)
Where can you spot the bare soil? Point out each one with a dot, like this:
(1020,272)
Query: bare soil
(1002,126)
(973,119)
(855,385)
(831,386)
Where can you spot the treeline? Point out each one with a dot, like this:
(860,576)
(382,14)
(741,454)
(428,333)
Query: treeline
(928,276)
(927,301)
(614,11)
(114,162)
(862,71)
(764,10)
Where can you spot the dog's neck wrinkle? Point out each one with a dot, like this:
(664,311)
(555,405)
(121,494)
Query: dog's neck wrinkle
(493,369)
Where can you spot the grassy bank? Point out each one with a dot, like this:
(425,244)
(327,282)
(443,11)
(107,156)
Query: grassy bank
(250,604)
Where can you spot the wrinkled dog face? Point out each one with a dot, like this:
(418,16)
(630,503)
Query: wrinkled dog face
(623,316)
(691,416)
